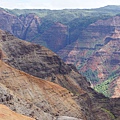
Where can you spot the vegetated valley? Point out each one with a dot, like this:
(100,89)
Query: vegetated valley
(35,82)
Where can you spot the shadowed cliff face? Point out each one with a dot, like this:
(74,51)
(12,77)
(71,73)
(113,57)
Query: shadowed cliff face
(56,37)
(31,28)
(96,53)
(44,97)
(58,73)
(40,62)
(24,26)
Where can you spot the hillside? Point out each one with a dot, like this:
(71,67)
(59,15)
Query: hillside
(52,27)
(80,36)
(40,98)
(96,54)
(7,114)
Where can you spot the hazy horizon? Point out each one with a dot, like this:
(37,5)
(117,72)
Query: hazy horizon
(56,5)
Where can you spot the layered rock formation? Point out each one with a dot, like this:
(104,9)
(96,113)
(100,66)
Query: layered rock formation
(46,96)
(24,26)
(35,97)
(83,53)
(96,53)
(7,114)
(43,99)
(32,28)
(40,62)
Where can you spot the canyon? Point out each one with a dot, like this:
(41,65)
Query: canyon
(34,81)
(42,97)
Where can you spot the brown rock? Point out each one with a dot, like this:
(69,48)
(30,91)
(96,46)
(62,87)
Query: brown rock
(80,101)
(45,95)
(7,114)
(96,53)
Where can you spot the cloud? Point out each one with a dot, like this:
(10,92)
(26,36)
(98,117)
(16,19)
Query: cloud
(56,4)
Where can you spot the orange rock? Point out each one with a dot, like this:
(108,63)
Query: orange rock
(7,114)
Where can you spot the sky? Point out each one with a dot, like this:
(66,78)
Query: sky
(56,4)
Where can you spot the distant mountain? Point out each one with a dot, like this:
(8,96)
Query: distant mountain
(47,27)
(96,54)
(42,99)
(111,8)
(78,36)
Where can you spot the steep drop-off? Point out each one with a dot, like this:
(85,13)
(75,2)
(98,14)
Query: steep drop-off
(96,53)
(46,96)
(41,62)
(97,65)
(30,27)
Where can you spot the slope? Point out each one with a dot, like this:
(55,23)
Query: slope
(6,114)
(45,95)
(39,61)
(52,28)
(96,52)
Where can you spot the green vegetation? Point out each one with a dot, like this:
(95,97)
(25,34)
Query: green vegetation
(66,15)
(109,113)
(75,19)
(91,75)
(104,86)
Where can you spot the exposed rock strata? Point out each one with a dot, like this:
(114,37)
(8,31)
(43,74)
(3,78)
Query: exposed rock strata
(96,53)
(7,114)
(40,62)
(46,96)
(84,53)
(31,28)
(82,101)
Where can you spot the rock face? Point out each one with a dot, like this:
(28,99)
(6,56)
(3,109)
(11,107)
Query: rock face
(56,37)
(116,92)
(96,54)
(40,62)
(19,26)
(42,99)
(46,96)
(37,94)
(31,28)
(7,114)
(89,53)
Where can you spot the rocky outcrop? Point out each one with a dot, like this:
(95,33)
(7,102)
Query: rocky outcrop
(46,96)
(56,37)
(20,105)
(32,28)
(96,53)
(80,101)
(7,114)
(86,53)
(40,62)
